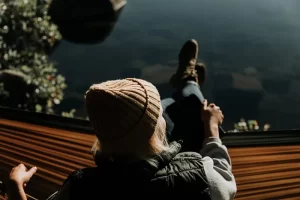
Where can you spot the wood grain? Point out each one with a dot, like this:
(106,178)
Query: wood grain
(265,172)
(55,152)
(271,172)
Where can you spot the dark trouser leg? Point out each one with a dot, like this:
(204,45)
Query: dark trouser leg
(191,88)
(184,110)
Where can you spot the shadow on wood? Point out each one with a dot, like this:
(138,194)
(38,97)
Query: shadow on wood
(266,165)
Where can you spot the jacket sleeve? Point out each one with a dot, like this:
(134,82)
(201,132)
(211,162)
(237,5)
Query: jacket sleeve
(64,193)
(218,170)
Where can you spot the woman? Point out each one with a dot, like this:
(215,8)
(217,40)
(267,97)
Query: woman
(133,156)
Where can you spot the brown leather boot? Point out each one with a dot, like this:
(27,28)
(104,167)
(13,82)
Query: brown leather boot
(187,61)
(201,71)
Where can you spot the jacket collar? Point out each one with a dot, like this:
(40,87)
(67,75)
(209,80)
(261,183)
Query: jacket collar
(153,162)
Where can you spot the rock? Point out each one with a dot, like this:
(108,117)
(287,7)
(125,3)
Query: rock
(86,21)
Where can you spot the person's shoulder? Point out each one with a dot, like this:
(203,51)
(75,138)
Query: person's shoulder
(185,172)
(187,156)
(82,174)
(187,160)
(183,163)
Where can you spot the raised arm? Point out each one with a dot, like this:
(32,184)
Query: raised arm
(217,163)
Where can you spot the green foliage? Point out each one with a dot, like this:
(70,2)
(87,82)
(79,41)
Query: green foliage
(70,114)
(27,36)
(26,26)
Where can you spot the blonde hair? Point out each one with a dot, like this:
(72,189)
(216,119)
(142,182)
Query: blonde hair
(156,144)
(158,141)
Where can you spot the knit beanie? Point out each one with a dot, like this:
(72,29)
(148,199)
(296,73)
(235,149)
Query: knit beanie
(120,108)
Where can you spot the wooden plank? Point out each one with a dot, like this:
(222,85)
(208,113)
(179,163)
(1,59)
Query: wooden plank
(271,172)
(264,172)
(55,152)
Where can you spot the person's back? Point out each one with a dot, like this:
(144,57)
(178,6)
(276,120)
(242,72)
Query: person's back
(207,175)
(133,156)
(170,173)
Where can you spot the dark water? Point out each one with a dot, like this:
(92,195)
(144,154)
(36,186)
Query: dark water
(251,48)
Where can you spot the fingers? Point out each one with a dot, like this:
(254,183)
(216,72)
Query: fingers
(29,174)
(22,166)
(222,118)
(205,104)
(212,105)
(32,171)
(19,167)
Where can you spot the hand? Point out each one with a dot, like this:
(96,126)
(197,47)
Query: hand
(212,117)
(20,175)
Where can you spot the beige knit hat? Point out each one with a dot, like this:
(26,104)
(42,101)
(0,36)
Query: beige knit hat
(124,107)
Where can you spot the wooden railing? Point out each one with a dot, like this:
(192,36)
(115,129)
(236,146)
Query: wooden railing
(267,172)
(55,152)
(266,165)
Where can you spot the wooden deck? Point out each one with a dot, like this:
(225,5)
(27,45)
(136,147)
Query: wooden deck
(267,172)
(262,172)
(55,152)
